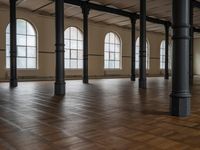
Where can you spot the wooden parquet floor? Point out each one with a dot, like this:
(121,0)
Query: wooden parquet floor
(111,114)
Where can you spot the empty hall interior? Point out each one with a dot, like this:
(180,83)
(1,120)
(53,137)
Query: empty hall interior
(99,74)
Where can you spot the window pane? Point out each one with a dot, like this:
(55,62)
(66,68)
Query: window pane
(73,44)
(106,64)
(137,58)
(67,63)
(107,48)
(8,29)
(80,36)
(80,64)
(117,64)
(74,34)
(112,38)
(117,48)
(117,56)
(30,29)
(31,52)
(112,64)
(74,64)
(106,57)
(80,45)
(31,62)
(21,40)
(21,51)
(7,50)
(31,41)
(7,62)
(67,36)
(117,40)
(67,54)
(8,39)
(112,47)
(67,44)
(80,55)
(21,26)
(21,63)
(112,56)
(73,54)
(137,65)
(107,39)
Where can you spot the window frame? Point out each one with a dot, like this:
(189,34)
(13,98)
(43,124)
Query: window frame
(116,36)
(77,49)
(169,56)
(24,46)
(162,55)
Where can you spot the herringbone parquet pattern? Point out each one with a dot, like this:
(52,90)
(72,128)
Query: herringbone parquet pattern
(104,115)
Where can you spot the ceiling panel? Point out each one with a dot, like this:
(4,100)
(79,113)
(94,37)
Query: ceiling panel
(155,8)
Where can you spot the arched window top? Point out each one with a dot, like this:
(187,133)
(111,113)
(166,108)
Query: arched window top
(147,43)
(73,33)
(112,51)
(73,48)
(26,45)
(162,45)
(112,38)
(23,27)
(162,55)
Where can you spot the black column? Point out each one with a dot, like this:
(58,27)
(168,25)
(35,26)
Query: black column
(180,102)
(60,61)
(191,43)
(142,80)
(133,22)
(85,11)
(13,44)
(166,51)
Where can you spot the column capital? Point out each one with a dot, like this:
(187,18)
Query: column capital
(85,8)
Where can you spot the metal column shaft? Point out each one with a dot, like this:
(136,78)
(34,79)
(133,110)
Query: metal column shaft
(142,79)
(60,60)
(180,102)
(13,44)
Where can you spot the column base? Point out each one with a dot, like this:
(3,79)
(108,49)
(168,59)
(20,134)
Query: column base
(166,77)
(85,80)
(142,83)
(60,89)
(180,105)
(132,78)
(13,83)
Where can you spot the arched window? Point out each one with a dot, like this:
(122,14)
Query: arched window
(26,45)
(112,51)
(162,56)
(137,54)
(73,48)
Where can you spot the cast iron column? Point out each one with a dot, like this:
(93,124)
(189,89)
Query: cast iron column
(191,43)
(85,11)
(13,44)
(133,22)
(166,51)
(142,80)
(60,61)
(180,102)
